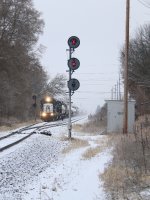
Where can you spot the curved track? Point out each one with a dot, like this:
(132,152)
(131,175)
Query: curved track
(18,131)
(35,128)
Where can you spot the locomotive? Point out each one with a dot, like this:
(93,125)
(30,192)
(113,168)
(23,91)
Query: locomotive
(52,109)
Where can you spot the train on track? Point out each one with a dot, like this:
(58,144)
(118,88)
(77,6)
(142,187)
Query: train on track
(52,109)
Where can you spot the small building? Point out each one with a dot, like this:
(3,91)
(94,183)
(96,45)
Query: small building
(115,115)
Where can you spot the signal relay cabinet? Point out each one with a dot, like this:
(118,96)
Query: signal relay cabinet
(115,115)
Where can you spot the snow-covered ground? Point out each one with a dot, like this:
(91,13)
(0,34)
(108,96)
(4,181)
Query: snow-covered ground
(38,169)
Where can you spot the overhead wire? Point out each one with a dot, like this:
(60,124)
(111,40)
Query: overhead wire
(93,92)
(98,73)
(145,4)
(97,79)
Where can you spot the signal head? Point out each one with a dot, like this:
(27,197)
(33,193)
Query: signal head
(73,42)
(73,63)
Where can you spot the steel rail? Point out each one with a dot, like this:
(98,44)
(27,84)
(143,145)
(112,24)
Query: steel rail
(24,138)
(14,143)
(20,130)
(39,128)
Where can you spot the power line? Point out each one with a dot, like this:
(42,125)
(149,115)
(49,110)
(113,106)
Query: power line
(94,84)
(145,4)
(97,80)
(98,73)
(93,92)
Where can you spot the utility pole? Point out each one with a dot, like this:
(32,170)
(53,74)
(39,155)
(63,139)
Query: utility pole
(112,94)
(115,92)
(119,89)
(125,123)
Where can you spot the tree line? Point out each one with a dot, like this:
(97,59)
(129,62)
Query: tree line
(138,74)
(139,68)
(126,177)
(21,73)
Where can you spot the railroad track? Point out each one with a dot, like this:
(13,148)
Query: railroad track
(15,132)
(35,129)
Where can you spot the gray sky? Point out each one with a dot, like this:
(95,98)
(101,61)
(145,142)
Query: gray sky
(100,25)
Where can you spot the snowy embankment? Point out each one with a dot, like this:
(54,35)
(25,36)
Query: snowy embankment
(40,169)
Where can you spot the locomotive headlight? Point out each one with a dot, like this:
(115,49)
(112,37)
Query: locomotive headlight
(48,99)
(43,114)
(52,114)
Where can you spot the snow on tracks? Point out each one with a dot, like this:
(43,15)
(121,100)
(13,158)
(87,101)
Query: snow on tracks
(23,166)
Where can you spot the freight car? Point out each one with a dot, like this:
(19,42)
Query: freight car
(52,109)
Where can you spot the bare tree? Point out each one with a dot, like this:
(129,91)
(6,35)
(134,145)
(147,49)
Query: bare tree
(57,86)
(20,71)
(139,65)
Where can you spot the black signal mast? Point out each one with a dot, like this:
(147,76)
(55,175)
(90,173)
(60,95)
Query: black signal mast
(73,84)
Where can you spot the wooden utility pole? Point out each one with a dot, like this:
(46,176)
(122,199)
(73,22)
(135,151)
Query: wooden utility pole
(119,89)
(125,124)
(112,94)
(115,92)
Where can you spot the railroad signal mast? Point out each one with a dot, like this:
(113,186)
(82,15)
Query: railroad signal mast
(73,84)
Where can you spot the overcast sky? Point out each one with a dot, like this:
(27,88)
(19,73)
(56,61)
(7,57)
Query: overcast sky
(100,25)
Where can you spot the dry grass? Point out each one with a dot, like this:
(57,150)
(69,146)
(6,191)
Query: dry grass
(17,125)
(129,172)
(105,142)
(74,143)
(116,176)
(77,127)
(102,144)
(91,152)
(145,179)
(89,128)
(119,183)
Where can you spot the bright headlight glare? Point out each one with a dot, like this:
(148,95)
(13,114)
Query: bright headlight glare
(48,99)
(43,114)
(52,114)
